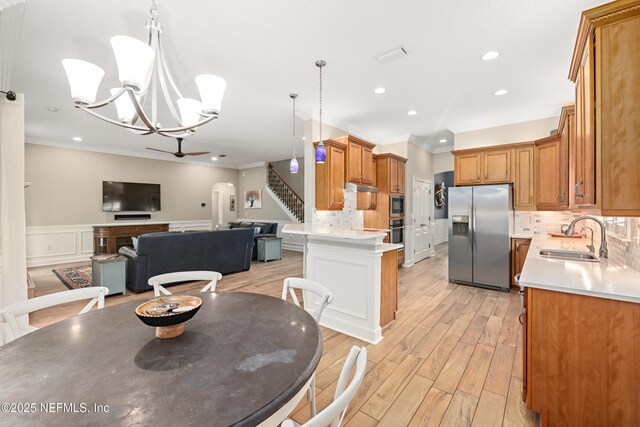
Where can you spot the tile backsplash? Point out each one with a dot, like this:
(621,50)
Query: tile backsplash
(623,250)
(348,217)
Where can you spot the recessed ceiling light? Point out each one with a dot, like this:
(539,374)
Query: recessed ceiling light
(77,139)
(304,138)
(501,92)
(412,113)
(214,159)
(492,54)
(230,184)
(379,90)
(442,141)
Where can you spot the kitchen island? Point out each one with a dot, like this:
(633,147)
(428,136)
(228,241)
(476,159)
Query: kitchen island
(359,269)
(581,337)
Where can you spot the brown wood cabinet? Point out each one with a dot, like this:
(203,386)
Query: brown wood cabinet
(389,288)
(390,170)
(467,168)
(360,168)
(519,251)
(551,172)
(497,166)
(108,239)
(330,177)
(581,359)
(606,70)
(366,201)
(523,177)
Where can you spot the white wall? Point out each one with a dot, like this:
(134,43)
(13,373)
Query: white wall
(442,162)
(507,134)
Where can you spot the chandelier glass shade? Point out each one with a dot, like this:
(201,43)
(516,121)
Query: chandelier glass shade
(145,78)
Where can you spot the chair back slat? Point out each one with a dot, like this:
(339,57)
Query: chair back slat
(10,314)
(184,276)
(325,295)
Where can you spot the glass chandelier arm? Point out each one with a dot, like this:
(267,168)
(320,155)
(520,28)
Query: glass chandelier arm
(186,128)
(124,125)
(104,102)
(167,95)
(140,112)
(166,70)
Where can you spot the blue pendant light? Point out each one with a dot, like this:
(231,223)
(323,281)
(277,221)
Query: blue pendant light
(293,165)
(321,153)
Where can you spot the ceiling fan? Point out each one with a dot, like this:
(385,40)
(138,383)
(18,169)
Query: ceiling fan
(179,154)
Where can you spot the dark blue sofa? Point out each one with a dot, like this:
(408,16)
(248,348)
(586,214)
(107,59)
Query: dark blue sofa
(225,251)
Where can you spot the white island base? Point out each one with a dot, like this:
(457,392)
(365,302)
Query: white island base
(349,263)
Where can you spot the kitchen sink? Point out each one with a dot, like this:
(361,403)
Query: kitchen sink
(569,255)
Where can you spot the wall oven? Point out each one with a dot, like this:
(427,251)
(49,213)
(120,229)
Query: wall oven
(397,230)
(396,205)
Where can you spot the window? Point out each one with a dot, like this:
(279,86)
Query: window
(618,226)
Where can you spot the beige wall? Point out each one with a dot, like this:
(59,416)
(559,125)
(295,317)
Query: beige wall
(399,148)
(517,132)
(295,180)
(442,162)
(256,179)
(66,186)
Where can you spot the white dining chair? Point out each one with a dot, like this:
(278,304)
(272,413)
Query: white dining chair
(333,414)
(293,283)
(184,276)
(10,314)
(326,297)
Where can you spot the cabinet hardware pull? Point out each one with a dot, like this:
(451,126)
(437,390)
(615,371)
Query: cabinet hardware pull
(577,193)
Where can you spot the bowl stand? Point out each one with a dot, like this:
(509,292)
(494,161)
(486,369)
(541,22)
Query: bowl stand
(166,332)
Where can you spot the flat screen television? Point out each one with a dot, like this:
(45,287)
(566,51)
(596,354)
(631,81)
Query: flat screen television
(130,197)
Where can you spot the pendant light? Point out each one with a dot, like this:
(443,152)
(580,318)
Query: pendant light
(293,165)
(321,154)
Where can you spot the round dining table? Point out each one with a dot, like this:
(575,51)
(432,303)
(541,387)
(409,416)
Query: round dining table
(243,359)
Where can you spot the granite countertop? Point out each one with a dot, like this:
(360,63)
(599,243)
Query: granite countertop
(328,231)
(605,279)
(386,247)
(522,235)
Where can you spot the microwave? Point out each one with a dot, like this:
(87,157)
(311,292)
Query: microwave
(396,205)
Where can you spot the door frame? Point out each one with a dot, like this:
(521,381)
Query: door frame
(218,195)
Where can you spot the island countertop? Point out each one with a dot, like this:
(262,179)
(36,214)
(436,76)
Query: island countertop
(605,279)
(329,231)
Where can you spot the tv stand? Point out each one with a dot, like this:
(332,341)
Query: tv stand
(108,239)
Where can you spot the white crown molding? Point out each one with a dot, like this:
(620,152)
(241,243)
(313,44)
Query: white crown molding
(251,165)
(444,149)
(120,152)
(520,119)
(395,139)
(340,124)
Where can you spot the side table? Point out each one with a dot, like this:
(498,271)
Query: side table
(109,271)
(269,248)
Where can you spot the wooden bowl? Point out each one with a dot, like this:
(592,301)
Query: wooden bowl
(168,313)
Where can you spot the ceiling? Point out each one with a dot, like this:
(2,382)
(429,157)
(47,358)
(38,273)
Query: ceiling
(267,49)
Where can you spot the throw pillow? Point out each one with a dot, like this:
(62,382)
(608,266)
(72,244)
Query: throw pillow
(134,240)
(223,227)
(256,231)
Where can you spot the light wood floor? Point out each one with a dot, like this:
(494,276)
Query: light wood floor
(453,357)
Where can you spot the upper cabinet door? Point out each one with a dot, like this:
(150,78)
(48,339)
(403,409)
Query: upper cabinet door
(336,178)
(400,176)
(497,166)
(551,174)
(523,179)
(583,160)
(618,117)
(368,169)
(354,167)
(393,175)
(468,168)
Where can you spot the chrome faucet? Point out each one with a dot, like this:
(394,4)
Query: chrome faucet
(604,252)
(590,247)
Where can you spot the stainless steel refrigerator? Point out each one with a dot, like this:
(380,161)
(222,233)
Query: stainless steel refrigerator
(480,221)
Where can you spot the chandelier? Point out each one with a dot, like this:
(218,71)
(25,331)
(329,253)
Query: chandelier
(143,74)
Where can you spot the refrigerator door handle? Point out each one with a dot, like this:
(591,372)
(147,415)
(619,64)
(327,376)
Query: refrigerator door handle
(471,236)
(473,224)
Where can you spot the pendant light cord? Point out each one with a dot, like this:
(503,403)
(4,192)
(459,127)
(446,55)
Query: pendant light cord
(320,66)
(293,138)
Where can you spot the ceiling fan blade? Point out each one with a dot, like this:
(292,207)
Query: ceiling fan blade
(198,153)
(162,151)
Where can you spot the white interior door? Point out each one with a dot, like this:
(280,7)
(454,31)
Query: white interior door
(423,236)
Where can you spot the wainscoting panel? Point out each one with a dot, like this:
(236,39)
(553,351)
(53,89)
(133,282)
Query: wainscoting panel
(441,231)
(74,243)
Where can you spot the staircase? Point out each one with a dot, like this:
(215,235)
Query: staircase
(285,194)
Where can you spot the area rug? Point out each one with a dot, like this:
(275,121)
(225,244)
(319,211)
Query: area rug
(74,277)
